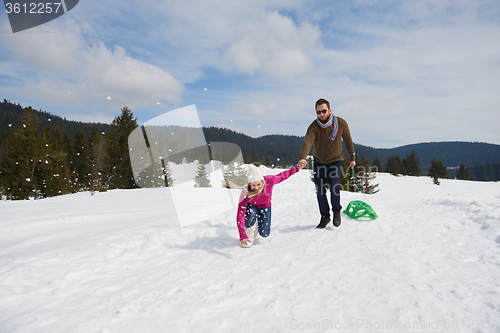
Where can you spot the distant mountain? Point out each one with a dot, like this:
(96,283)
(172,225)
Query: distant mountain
(10,115)
(283,150)
(287,148)
(452,153)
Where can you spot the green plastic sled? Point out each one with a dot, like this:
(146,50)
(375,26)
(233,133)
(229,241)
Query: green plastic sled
(357,209)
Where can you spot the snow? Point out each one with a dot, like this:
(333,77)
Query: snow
(119,261)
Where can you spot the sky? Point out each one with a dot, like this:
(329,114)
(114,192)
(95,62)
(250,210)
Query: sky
(399,72)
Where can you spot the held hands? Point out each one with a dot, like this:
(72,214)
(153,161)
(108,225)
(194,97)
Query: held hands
(302,163)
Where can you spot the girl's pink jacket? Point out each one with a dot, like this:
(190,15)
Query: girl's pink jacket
(263,200)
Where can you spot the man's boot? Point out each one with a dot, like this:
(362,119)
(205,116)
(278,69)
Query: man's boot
(323,222)
(336,219)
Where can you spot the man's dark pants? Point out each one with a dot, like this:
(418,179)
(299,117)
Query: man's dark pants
(328,176)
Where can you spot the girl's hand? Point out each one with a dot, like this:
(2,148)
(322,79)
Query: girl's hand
(245,242)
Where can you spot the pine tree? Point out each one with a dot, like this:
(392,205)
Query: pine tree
(168,174)
(20,172)
(201,179)
(256,159)
(246,159)
(268,162)
(489,172)
(365,176)
(412,164)
(5,144)
(235,173)
(82,160)
(54,170)
(463,172)
(98,156)
(377,164)
(394,165)
(69,149)
(118,168)
(4,150)
(437,170)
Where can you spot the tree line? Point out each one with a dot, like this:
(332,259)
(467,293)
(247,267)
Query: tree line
(38,159)
(410,165)
(37,163)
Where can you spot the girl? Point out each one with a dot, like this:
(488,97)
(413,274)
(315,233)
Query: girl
(254,208)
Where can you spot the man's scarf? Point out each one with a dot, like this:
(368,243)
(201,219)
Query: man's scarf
(331,119)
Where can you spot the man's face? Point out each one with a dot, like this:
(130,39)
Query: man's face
(323,116)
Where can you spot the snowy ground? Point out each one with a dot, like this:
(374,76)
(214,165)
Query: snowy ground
(120,262)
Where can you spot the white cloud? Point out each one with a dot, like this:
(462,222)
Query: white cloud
(59,60)
(48,48)
(128,80)
(273,45)
(367,107)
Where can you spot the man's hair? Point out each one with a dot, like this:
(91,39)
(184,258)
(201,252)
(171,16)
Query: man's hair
(323,101)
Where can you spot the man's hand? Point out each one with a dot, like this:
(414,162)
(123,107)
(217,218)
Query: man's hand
(302,163)
(352,164)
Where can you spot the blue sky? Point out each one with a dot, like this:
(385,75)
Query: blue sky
(399,72)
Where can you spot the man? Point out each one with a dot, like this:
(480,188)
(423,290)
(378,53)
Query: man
(327,132)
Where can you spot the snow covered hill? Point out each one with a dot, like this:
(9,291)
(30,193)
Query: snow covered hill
(120,262)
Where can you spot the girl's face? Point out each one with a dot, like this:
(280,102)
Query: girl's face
(256,185)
